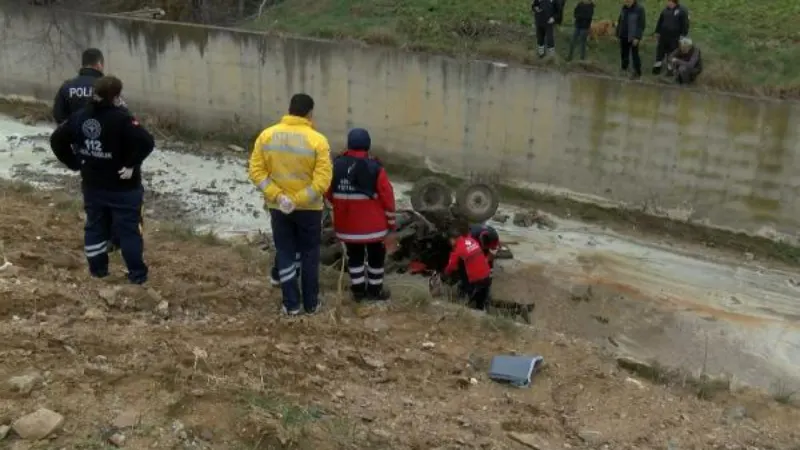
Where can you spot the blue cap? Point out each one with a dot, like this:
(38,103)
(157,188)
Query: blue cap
(358,139)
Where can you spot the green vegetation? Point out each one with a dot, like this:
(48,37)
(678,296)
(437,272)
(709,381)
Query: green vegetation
(748,46)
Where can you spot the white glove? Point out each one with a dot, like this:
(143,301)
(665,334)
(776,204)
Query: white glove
(551,21)
(285,205)
(125,173)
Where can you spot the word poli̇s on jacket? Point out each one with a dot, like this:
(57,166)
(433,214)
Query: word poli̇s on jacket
(293,159)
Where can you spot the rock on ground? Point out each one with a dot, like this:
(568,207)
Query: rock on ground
(26,383)
(4,429)
(533,441)
(38,425)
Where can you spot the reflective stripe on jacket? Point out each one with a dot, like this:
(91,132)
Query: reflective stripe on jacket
(293,159)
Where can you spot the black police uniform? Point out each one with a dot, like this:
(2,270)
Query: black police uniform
(75,94)
(106,138)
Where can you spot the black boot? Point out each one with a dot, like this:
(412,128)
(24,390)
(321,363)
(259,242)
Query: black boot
(358,293)
(378,293)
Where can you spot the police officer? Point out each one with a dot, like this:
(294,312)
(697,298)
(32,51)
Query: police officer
(363,215)
(110,147)
(75,93)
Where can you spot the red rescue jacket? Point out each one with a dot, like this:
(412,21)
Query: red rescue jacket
(362,198)
(468,251)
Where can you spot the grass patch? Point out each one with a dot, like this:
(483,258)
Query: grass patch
(748,46)
(290,414)
(186,233)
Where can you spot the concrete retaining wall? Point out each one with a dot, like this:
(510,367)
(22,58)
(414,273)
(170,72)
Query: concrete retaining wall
(729,161)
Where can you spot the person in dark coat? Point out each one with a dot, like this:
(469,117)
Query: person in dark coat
(544,19)
(107,145)
(686,62)
(672,25)
(583,15)
(630,28)
(76,93)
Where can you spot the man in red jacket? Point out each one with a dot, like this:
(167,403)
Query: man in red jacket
(468,259)
(363,214)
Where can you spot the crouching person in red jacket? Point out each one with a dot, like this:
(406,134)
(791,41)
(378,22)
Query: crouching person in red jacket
(468,259)
(363,214)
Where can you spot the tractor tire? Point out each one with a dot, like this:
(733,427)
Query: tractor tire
(431,194)
(477,202)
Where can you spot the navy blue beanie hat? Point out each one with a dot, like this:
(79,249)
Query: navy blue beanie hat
(358,139)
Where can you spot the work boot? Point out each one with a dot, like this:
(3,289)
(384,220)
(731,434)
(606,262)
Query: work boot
(359,294)
(315,309)
(381,294)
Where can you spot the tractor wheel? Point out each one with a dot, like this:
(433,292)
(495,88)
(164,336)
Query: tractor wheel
(477,202)
(431,194)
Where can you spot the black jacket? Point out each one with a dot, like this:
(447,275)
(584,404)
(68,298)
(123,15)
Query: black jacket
(632,22)
(543,11)
(74,94)
(673,22)
(559,10)
(584,13)
(99,141)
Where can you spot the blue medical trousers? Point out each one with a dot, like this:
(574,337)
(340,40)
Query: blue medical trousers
(298,232)
(115,213)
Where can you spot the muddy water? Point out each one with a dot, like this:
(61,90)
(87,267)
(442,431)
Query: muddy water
(679,306)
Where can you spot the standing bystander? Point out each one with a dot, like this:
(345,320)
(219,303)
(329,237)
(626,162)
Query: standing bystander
(672,25)
(583,15)
(630,28)
(544,19)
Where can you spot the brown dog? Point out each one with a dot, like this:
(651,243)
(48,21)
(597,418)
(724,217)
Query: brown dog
(602,28)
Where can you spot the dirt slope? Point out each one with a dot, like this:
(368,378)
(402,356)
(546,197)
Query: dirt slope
(215,367)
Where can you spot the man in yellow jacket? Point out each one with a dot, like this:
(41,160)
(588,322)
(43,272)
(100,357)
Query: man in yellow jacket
(291,165)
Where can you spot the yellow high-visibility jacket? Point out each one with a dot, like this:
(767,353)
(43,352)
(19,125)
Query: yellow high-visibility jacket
(293,159)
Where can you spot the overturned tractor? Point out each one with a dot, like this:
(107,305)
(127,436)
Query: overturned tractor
(422,232)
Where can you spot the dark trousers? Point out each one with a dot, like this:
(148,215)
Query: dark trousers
(579,38)
(298,232)
(628,52)
(545,38)
(478,293)
(685,75)
(274,278)
(365,263)
(111,213)
(666,45)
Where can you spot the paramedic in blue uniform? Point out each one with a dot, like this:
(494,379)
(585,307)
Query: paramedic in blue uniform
(75,93)
(109,148)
